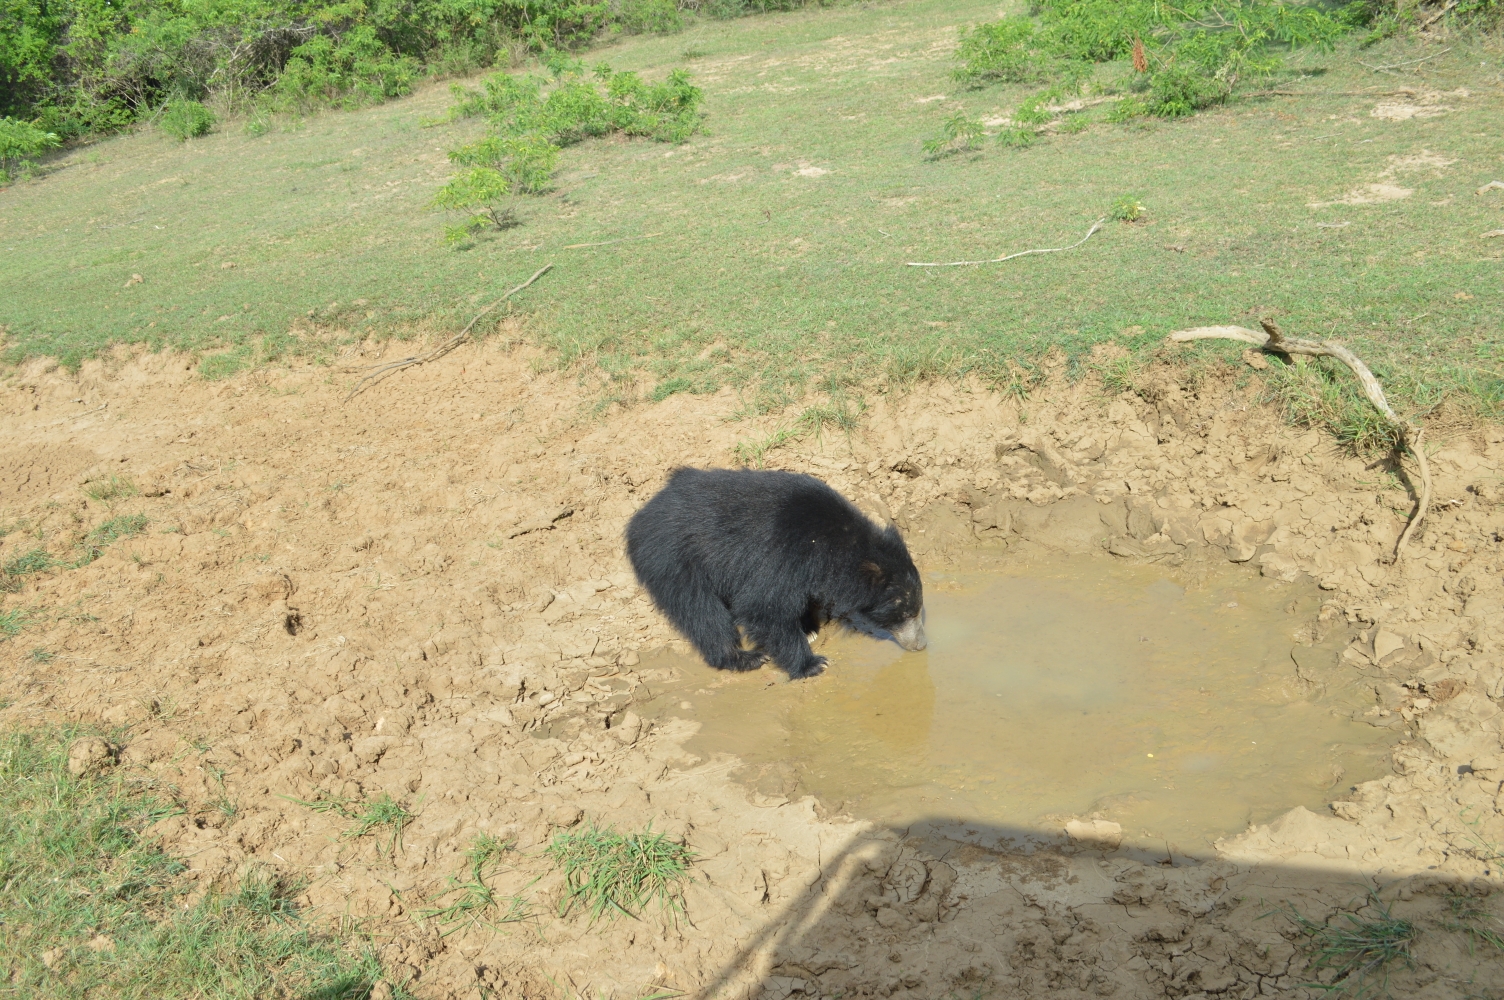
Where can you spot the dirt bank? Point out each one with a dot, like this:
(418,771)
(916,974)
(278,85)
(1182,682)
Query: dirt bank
(402,593)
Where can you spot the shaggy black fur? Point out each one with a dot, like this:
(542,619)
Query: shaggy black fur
(777,554)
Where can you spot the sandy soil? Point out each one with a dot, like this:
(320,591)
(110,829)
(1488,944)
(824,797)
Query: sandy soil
(405,593)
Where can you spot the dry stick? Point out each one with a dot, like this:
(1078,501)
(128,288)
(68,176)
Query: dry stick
(1022,253)
(623,239)
(1272,340)
(382,371)
(1407,62)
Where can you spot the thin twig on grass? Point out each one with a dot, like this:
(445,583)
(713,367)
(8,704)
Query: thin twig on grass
(1408,62)
(1272,340)
(380,372)
(1022,253)
(606,243)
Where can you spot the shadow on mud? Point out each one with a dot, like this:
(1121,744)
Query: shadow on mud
(929,911)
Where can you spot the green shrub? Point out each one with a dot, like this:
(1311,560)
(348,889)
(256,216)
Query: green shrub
(530,129)
(20,144)
(184,120)
(651,16)
(1127,209)
(1198,51)
(957,133)
(1000,51)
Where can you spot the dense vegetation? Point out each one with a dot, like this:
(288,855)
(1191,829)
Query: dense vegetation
(74,67)
(1158,59)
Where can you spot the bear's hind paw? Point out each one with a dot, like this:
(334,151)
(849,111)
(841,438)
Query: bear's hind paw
(813,668)
(742,661)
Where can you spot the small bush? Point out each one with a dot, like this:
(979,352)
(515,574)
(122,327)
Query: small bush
(651,17)
(184,120)
(1127,209)
(1177,92)
(20,145)
(958,133)
(531,129)
(999,52)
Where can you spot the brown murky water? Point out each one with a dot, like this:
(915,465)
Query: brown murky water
(1067,687)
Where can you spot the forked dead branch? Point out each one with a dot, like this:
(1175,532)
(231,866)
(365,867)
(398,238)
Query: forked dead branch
(379,372)
(1272,340)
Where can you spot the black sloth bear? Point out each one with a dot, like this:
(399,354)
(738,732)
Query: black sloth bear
(776,553)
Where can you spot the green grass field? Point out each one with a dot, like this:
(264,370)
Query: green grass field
(778,238)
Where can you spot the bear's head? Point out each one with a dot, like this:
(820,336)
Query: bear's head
(895,601)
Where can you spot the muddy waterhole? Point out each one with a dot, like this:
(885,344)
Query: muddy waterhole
(1067,686)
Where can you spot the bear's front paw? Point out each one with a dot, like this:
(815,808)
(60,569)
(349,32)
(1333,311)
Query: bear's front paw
(813,668)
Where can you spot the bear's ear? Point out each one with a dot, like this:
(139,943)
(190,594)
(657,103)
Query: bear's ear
(873,572)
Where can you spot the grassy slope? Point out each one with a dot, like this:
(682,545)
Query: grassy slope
(763,273)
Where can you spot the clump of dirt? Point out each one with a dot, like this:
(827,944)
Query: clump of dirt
(422,595)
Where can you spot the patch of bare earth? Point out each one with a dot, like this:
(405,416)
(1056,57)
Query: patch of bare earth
(401,594)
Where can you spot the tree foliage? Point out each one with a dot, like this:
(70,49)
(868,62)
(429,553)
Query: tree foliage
(74,67)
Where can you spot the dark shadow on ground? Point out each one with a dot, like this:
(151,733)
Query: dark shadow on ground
(944,909)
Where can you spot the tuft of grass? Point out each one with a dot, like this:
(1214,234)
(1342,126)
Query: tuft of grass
(36,561)
(116,528)
(812,420)
(13,622)
(40,656)
(1350,955)
(1467,914)
(1320,393)
(470,900)
(373,816)
(609,873)
(92,907)
(110,489)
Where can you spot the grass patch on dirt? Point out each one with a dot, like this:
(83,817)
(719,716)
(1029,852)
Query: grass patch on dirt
(92,908)
(1354,954)
(611,874)
(769,253)
(381,816)
(467,900)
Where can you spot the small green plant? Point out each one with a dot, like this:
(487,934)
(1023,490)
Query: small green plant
(20,145)
(184,120)
(40,656)
(1127,209)
(1349,955)
(110,489)
(610,873)
(958,133)
(1017,137)
(470,900)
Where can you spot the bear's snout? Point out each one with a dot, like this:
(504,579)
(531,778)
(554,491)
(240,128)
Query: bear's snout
(910,635)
